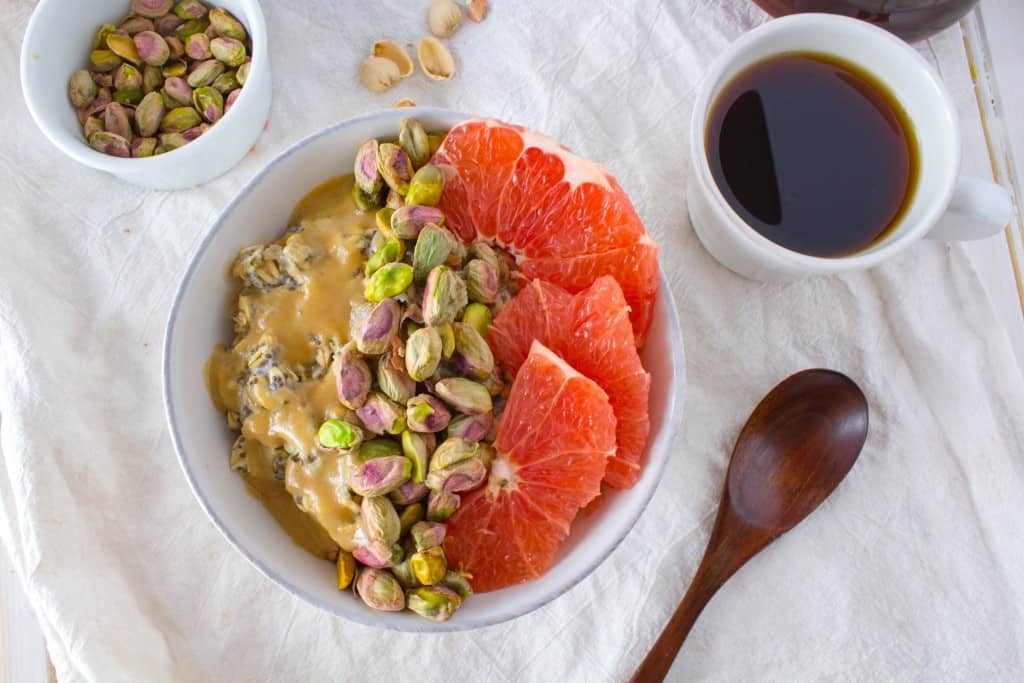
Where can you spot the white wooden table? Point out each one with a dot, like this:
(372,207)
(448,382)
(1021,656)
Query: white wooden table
(995,135)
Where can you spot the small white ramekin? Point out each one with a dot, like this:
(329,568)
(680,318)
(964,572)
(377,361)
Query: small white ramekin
(57,43)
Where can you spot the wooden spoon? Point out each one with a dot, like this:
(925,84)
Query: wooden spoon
(796,447)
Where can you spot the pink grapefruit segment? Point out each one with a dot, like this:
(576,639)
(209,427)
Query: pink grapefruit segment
(565,218)
(592,332)
(554,440)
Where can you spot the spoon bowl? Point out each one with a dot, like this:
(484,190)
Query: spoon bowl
(795,448)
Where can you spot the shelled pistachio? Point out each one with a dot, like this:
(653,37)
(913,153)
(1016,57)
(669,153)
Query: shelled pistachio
(180,52)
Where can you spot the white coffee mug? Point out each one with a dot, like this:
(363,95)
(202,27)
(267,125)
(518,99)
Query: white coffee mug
(943,206)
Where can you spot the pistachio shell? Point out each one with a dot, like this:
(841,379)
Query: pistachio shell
(389,49)
(435,59)
(443,17)
(378,74)
(476,10)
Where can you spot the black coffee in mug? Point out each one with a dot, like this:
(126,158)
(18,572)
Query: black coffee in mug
(813,153)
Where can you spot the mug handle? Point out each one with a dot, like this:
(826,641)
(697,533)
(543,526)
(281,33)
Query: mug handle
(979,209)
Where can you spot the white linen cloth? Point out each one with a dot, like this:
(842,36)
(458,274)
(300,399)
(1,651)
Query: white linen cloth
(913,570)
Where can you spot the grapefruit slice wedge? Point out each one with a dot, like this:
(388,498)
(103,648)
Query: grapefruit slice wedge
(565,218)
(553,443)
(592,332)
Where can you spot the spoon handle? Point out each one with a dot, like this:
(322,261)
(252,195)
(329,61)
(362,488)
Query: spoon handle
(659,659)
(732,543)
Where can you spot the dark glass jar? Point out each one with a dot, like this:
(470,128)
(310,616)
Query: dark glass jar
(909,19)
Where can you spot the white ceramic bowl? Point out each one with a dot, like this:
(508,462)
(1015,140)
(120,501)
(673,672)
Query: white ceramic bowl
(57,43)
(198,321)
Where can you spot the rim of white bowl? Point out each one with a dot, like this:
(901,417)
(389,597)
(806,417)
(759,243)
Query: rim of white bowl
(651,476)
(86,155)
